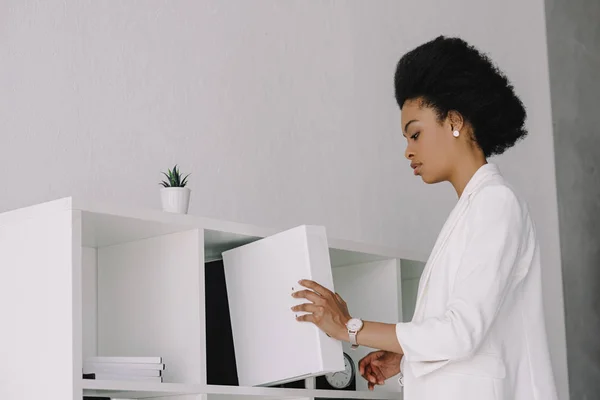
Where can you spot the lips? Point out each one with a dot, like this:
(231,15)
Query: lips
(416,167)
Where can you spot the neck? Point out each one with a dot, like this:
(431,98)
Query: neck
(464,173)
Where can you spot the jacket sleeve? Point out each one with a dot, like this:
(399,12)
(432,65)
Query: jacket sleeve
(495,229)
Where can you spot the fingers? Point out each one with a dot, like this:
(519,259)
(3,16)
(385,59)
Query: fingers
(370,375)
(309,295)
(364,367)
(378,375)
(368,359)
(315,316)
(376,367)
(306,318)
(369,369)
(373,375)
(361,367)
(362,364)
(319,290)
(308,307)
(316,287)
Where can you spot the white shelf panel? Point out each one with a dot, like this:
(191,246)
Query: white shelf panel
(135,223)
(341,252)
(135,390)
(103,230)
(230,393)
(106,224)
(140,390)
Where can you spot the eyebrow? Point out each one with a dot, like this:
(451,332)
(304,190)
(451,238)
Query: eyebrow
(407,124)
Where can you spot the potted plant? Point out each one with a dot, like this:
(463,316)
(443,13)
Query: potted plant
(175,196)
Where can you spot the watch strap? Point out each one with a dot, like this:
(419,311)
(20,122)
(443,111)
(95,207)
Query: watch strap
(352,337)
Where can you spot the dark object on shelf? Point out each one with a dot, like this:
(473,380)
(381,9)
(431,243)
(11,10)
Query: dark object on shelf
(300,384)
(220,353)
(344,380)
(321,382)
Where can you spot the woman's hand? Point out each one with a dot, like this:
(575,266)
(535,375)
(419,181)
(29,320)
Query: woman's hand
(378,366)
(327,310)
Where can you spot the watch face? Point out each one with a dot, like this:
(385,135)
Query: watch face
(342,379)
(354,324)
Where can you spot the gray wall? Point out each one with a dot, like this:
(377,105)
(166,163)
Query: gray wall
(411,274)
(574,62)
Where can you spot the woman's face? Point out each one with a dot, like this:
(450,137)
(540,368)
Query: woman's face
(430,143)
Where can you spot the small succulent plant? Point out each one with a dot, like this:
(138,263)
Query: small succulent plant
(174,178)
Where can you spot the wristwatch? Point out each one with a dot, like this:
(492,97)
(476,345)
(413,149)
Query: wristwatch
(354,325)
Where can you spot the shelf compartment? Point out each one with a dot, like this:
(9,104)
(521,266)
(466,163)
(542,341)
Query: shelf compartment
(142,285)
(364,280)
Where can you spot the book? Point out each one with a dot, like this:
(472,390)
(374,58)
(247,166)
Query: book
(117,377)
(124,371)
(92,367)
(121,359)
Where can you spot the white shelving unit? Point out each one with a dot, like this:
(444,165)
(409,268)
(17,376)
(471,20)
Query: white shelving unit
(82,279)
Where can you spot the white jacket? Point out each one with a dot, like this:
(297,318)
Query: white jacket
(478,331)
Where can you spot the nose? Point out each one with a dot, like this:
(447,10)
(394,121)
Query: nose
(409,153)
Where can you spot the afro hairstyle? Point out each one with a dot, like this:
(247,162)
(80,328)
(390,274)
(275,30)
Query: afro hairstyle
(449,74)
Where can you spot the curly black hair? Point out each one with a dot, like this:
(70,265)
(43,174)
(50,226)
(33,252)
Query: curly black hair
(449,74)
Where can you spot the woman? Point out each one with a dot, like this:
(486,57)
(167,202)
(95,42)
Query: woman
(478,328)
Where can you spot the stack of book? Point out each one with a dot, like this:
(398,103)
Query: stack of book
(148,369)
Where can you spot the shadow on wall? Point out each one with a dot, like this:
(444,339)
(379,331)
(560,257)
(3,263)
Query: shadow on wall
(411,273)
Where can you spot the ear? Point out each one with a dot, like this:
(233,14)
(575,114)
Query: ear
(456,120)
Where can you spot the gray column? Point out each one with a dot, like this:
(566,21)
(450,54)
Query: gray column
(573,28)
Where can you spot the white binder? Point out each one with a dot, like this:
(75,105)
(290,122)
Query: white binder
(271,346)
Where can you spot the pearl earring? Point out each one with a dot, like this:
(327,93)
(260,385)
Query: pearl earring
(456,133)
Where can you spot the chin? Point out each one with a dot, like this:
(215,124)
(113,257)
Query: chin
(429,179)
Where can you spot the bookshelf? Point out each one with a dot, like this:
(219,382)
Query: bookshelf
(85,278)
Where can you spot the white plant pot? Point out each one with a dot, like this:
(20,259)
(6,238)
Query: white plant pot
(175,199)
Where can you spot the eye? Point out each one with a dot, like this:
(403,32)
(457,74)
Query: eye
(415,136)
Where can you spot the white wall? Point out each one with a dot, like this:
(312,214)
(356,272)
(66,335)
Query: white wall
(99,96)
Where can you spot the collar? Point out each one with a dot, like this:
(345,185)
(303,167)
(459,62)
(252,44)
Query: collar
(480,176)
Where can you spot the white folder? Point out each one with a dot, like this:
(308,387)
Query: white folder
(271,346)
